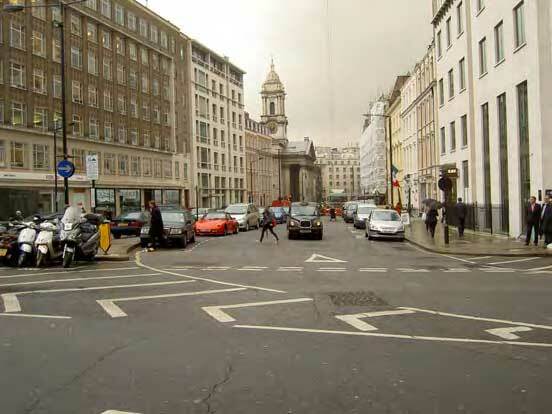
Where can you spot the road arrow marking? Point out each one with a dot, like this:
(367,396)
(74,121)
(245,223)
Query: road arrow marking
(508,333)
(355,320)
(318,258)
(219,315)
(116,312)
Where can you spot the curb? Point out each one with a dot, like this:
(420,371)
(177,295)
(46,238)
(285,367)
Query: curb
(479,253)
(118,257)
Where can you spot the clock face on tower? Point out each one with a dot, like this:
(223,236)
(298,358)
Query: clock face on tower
(272,127)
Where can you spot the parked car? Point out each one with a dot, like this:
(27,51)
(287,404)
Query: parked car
(219,224)
(304,220)
(348,212)
(200,212)
(179,228)
(361,214)
(280,214)
(129,224)
(385,224)
(246,215)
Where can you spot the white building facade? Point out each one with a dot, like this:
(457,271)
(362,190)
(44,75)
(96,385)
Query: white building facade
(339,170)
(409,128)
(373,152)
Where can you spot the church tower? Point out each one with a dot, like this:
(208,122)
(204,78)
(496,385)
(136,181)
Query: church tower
(274,105)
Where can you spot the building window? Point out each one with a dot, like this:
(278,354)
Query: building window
(107,69)
(19,114)
(40,119)
(145,111)
(144,56)
(132,51)
(154,34)
(519,25)
(39,44)
(447,28)
(38,12)
(466,174)
(108,100)
(452,136)
(92,96)
(76,24)
(76,57)
(79,159)
(109,164)
(93,129)
(133,133)
(133,79)
(486,153)
(443,141)
(76,92)
(524,149)
(131,21)
(120,45)
(464,130)
(482,56)
(145,83)
(123,164)
(147,167)
(57,120)
(106,8)
(18,155)
(92,32)
(106,39)
(164,44)
(146,139)
(462,74)
(133,107)
(451,83)
(17,75)
(77,125)
(503,156)
(121,103)
(499,42)
(56,87)
(441,92)
(92,4)
(17,35)
(119,15)
(56,50)
(41,157)
(439,45)
(143,28)
(158,168)
(92,62)
(459,19)
(108,131)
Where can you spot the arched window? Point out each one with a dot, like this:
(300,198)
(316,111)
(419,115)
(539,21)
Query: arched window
(272,108)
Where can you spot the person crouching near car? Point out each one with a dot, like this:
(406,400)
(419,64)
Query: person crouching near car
(156,226)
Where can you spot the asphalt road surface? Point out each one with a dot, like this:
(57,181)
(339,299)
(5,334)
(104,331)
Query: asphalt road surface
(228,325)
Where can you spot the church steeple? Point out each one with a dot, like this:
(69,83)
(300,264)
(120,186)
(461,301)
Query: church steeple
(273,96)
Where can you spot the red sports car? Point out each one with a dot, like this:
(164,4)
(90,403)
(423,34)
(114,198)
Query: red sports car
(216,224)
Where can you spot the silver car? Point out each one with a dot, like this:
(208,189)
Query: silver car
(348,212)
(246,215)
(385,224)
(361,214)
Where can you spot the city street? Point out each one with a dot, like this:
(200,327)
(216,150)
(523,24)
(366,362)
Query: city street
(228,325)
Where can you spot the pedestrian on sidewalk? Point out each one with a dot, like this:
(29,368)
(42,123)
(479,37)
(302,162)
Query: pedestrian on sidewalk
(533,220)
(431,219)
(268,224)
(546,221)
(156,226)
(461,212)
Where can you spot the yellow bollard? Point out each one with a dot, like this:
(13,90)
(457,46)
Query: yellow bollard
(105,237)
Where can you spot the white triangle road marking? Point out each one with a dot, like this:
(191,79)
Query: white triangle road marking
(318,258)
(508,333)
(355,320)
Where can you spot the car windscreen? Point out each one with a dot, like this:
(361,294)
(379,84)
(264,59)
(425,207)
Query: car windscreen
(365,210)
(386,216)
(214,216)
(172,216)
(278,210)
(303,211)
(132,216)
(351,207)
(236,210)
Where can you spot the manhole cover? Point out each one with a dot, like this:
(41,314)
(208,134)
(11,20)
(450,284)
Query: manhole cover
(361,298)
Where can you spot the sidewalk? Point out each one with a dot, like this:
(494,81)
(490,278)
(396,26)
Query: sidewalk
(120,250)
(473,244)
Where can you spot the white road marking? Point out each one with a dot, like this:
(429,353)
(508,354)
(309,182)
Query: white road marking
(355,320)
(117,412)
(219,315)
(479,257)
(526,259)
(382,335)
(410,270)
(332,269)
(373,269)
(360,237)
(11,303)
(496,270)
(216,268)
(290,269)
(539,268)
(79,279)
(30,315)
(456,258)
(477,318)
(252,268)
(318,258)
(457,270)
(65,272)
(116,312)
(139,263)
(508,333)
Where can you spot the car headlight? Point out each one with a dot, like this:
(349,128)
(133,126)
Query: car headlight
(176,231)
(145,230)
(293,223)
(374,227)
(317,223)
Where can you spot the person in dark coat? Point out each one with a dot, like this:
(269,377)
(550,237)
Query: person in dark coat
(546,221)
(268,224)
(533,220)
(431,219)
(461,212)
(156,225)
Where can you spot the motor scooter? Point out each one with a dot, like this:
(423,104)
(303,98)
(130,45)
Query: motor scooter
(26,240)
(48,244)
(9,249)
(80,237)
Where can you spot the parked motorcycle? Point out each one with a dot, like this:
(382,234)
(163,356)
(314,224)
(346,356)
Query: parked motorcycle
(26,240)
(48,244)
(80,236)
(9,248)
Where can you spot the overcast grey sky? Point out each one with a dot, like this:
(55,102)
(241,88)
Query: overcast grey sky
(332,64)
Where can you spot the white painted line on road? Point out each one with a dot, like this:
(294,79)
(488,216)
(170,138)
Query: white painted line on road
(508,333)
(252,268)
(535,269)
(65,272)
(360,237)
(456,270)
(373,269)
(290,269)
(219,315)
(116,312)
(456,258)
(139,263)
(411,270)
(526,259)
(496,270)
(332,269)
(318,258)
(397,336)
(117,412)
(11,303)
(355,320)
(216,268)
(79,279)
(479,257)
(477,318)
(30,315)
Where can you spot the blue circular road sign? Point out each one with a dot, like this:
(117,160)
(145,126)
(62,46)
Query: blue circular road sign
(66,168)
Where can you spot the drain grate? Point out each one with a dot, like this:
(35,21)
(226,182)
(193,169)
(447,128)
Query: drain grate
(360,298)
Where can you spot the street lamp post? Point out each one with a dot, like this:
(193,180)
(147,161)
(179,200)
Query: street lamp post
(15,8)
(251,177)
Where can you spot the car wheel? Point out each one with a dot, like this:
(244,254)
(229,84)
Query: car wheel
(117,235)
(369,235)
(290,236)
(236,229)
(247,228)
(184,241)
(320,236)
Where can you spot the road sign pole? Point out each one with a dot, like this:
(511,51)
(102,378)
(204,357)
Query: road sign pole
(445,219)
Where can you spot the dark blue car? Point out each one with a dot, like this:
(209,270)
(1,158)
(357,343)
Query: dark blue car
(280,214)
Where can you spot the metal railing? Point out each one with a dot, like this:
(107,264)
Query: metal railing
(493,219)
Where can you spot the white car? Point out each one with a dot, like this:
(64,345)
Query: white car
(385,224)
(246,215)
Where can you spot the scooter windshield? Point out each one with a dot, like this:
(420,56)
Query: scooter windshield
(72,215)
